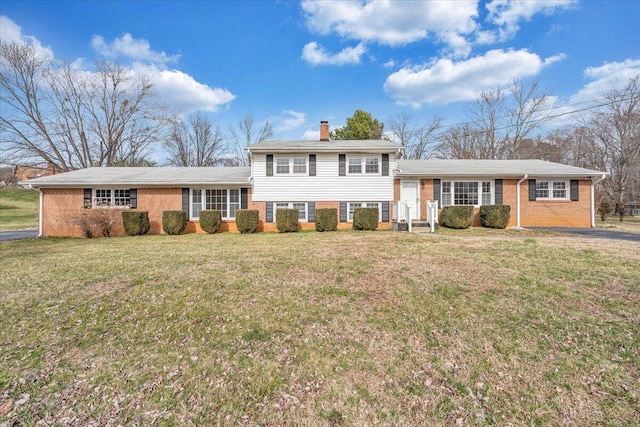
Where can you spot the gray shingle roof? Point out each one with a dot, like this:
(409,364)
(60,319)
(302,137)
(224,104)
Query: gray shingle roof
(364,145)
(145,177)
(491,168)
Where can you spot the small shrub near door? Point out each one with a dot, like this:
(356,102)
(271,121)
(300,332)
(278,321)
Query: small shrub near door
(287,220)
(326,219)
(365,219)
(174,222)
(457,216)
(136,223)
(247,220)
(210,220)
(495,216)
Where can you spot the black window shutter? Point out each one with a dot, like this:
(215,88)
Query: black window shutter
(498,195)
(343,211)
(311,212)
(133,198)
(575,190)
(87,198)
(269,212)
(342,164)
(385,211)
(385,165)
(312,165)
(532,190)
(185,201)
(436,191)
(269,164)
(244,198)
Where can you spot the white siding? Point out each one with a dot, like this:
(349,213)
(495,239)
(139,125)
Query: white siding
(325,186)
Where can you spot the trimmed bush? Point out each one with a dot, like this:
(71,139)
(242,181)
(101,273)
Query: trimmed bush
(495,216)
(174,222)
(247,220)
(456,216)
(136,223)
(287,220)
(210,220)
(365,219)
(326,219)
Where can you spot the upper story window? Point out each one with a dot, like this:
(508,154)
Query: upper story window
(296,165)
(475,193)
(364,165)
(552,190)
(112,197)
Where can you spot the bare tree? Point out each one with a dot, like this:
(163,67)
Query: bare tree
(418,139)
(195,142)
(245,133)
(74,119)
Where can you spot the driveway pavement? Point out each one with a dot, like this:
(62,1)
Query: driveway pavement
(599,233)
(18,234)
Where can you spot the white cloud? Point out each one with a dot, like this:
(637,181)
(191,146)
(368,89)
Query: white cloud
(311,135)
(606,77)
(508,13)
(134,49)
(294,120)
(12,32)
(445,81)
(389,64)
(315,54)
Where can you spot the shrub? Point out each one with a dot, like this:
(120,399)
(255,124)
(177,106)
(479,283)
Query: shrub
(495,216)
(365,219)
(210,220)
(136,223)
(326,219)
(456,216)
(287,220)
(174,222)
(247,220)
(97,222)
(604,209)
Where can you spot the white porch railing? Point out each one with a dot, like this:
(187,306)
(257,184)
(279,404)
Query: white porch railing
(402,212)
(432,214)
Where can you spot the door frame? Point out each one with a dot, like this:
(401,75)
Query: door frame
(416,215)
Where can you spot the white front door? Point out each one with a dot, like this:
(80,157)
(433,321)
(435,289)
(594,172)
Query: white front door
(410,194)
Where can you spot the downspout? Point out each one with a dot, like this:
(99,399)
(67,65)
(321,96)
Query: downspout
(526,175)
(40,212)
(251,167)
(593,199)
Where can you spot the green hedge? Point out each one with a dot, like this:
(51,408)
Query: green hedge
(326,219)
(210,220)
(247,220)
(287,220)
(174,222)
(136,223)
(495,216)
(456,216)
(365,219)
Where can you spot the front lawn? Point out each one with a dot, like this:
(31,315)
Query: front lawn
(18,209)
(342,328)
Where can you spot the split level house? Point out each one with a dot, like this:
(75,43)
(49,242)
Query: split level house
(310,175)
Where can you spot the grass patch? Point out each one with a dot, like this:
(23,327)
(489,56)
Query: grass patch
(18,209)
(381,328)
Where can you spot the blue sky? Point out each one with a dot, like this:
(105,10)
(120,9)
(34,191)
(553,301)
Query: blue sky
(298,62)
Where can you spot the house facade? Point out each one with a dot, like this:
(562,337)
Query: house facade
(310,175)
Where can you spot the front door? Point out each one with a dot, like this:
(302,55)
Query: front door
(410,194)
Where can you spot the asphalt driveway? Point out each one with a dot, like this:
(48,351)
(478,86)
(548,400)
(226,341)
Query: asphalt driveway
(599,233)
(17,235)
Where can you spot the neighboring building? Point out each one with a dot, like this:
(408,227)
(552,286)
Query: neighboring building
(309,175)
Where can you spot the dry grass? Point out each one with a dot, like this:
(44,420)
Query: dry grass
(18,209)
(338,328)
(630,224)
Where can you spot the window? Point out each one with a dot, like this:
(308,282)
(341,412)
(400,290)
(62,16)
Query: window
(351,208)
(474,193)
(552,190)
(364,164)
(227,201)
(301,206)
(112,198)
(291,165)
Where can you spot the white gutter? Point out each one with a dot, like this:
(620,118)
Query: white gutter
(593,199)
(526,175)
(250,165)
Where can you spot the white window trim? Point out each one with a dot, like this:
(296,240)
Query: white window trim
(567,189)
(479,182)
(290,206)
(363,164)
(203,202)
(351,212)
(291,164)
(111,204)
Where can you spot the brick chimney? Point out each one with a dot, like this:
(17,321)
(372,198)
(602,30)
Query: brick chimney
(324,130)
